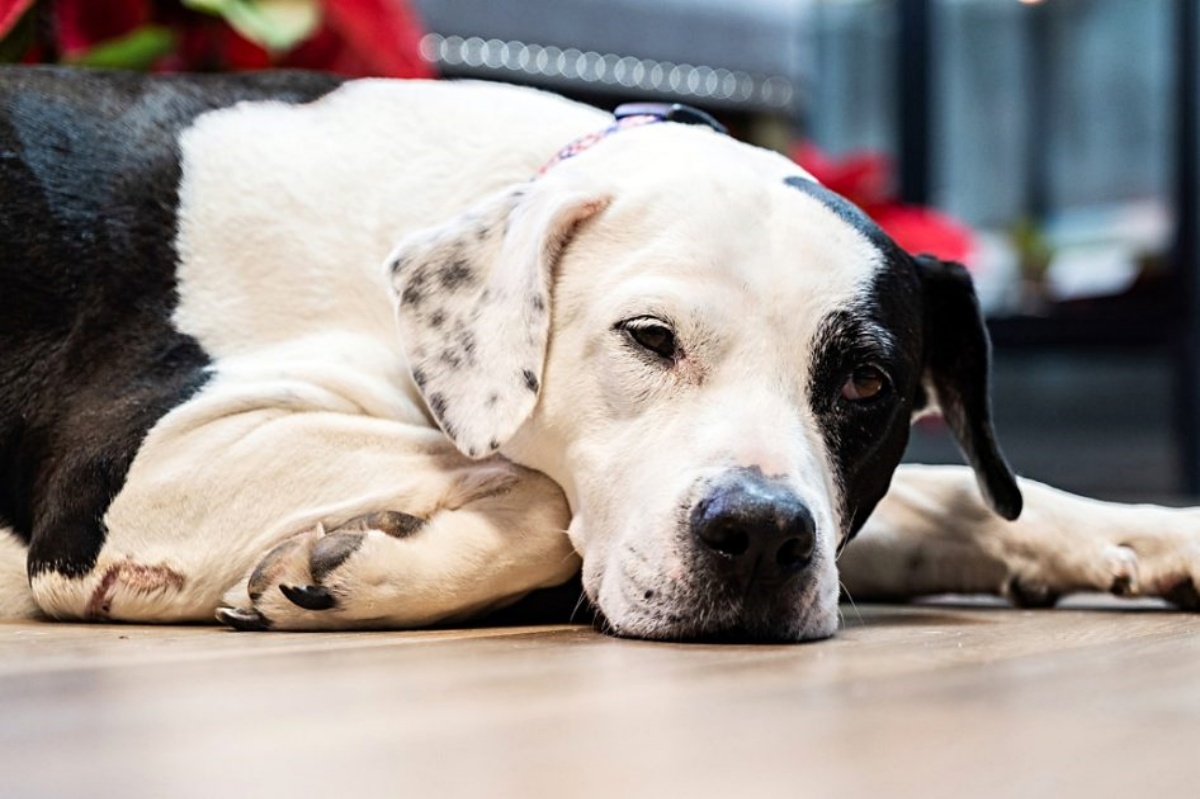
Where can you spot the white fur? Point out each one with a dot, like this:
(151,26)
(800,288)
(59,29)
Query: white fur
(16,600)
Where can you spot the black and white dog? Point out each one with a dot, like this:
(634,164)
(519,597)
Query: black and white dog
(309,354)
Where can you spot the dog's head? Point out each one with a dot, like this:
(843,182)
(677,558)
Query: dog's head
(716,358)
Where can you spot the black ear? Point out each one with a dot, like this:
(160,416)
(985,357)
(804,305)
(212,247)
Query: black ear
(957,366)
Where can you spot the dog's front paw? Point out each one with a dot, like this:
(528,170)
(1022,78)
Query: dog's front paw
(303,583)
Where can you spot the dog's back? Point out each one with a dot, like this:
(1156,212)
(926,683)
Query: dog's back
(89,176)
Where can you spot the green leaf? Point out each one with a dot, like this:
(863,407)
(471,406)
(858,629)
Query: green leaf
(137,49)
(278,25)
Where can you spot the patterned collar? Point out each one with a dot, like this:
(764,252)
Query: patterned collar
(634,115)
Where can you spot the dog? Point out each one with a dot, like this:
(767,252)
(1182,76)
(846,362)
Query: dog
(307,353)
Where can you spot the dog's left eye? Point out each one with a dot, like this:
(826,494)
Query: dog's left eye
(653,335)
(864,383)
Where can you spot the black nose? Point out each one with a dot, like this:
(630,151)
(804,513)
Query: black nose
(757,526)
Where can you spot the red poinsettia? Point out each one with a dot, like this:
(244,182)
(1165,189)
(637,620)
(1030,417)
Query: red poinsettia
(865,180)
(351,37)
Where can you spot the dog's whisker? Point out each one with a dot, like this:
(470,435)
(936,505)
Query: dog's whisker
(578,606)
(853,606)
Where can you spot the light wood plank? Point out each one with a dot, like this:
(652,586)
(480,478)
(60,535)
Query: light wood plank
(929,701)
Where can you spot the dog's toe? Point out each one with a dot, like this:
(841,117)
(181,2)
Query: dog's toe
(242,619)
(310,597)
(331,551)
(1031,594)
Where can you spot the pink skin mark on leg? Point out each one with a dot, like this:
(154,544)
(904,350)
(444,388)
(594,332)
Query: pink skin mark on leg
(136,577)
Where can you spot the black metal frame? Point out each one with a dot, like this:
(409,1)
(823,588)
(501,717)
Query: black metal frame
(1187,240)
(1175,328)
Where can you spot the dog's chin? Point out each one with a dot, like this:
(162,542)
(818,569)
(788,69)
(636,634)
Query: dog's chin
(810,616)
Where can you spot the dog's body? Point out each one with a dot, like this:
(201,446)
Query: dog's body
(703,363)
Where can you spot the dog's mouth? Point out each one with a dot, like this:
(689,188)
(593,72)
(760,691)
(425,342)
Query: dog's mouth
(750,629)
(699,608)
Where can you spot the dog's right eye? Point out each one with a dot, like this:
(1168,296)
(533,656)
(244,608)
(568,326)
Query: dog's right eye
(652,335)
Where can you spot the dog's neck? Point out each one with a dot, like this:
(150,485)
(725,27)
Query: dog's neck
(635,115)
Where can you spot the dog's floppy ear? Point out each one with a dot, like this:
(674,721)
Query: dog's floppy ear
(473,304)
(957,364)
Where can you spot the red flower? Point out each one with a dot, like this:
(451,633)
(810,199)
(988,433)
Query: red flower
(366,37)
(354,37)
(11,12)
(81,24)
(865,179)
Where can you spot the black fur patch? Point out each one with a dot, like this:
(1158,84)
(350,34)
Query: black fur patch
(531,381)
(89,361)
(866,440)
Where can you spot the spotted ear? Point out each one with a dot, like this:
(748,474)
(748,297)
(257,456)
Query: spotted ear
(957,366)
(472,300)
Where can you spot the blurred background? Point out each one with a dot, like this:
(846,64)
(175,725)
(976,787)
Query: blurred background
(1050,145)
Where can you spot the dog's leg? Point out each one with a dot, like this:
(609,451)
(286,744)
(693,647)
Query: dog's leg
(499,536)
(932,534)
(242,497)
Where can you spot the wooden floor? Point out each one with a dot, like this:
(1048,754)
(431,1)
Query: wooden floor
(933,701)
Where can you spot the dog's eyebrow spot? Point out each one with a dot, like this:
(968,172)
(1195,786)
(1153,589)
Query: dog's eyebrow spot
(531,381)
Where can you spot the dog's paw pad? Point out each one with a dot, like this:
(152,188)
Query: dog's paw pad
(310,597)
(242,619)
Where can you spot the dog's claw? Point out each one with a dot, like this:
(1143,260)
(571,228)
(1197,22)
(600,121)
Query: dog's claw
(245,620)
(309,597)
